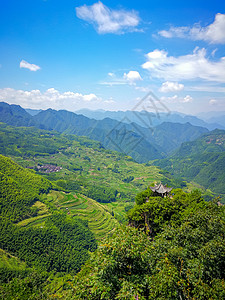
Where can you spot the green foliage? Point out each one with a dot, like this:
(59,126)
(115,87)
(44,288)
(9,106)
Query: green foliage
(101,194)
(25,179)
(128,179)
(19,189)
(68,185)
(185,260)
(154,213)
(60,245)
(11,267)
(30,287)
(143,196)
(202,161)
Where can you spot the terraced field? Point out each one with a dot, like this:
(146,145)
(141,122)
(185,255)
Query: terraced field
(100,219)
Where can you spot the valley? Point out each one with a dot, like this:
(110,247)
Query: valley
(63,195)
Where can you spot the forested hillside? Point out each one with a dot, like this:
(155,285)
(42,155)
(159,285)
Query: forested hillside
(174,248)
(61,244)
(202,161)
(20,188)
(79,164)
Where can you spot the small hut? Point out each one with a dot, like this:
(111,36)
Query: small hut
(161,190)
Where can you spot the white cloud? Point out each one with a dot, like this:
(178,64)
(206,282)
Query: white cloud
(187,67)
(108,20)
(90,97)
(51,98)
(109,101)
(142,89)
(174,32)
(206,88)
(173,99)
(213,33)
(31,67)
(169,86)
(110,74)
(132,76)
(187,99)
(117,81)
(176,99)
(213,102)
(128,78)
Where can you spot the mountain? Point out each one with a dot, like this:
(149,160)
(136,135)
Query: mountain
(211,114)
(202,161)
(15,115)
(213,141)
(149,119)
(112,134)
(142,143)
(33,112)
(218,119)
(169,136)
(139,142)
(214,117)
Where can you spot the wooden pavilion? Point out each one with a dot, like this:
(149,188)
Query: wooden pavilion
(161,190)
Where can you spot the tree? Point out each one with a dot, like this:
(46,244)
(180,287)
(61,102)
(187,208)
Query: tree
(184,259)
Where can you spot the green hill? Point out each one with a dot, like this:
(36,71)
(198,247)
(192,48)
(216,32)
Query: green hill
(202,161)
(78,164)
(214,141)
(61,244)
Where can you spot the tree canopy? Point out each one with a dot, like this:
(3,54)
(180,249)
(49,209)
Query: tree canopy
(183,257)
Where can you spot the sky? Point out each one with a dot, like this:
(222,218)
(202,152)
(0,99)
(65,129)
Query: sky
(110,55)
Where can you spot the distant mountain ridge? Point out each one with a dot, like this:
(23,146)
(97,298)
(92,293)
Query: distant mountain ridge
(147,119)
(142,143)
(157,143)
(33,112)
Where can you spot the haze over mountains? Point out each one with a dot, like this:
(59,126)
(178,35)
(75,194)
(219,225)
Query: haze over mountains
(146,119)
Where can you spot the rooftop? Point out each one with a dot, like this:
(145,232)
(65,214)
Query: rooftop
(160,189)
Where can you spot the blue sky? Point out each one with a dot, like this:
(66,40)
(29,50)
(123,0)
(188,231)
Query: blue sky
(109,54)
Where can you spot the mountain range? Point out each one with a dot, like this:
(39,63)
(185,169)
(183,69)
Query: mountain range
(139,142)
(150,119)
